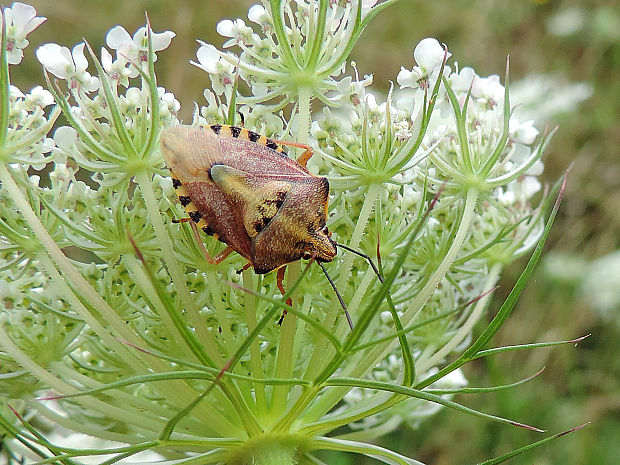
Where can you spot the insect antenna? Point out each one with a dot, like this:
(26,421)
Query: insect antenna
(344,306)
(363,255)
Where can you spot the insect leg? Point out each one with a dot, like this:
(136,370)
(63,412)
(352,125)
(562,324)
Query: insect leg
(304,157)
(212,260)
(280,283)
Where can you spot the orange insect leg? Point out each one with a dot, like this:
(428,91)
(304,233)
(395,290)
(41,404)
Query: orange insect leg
(304,157)
(212,260)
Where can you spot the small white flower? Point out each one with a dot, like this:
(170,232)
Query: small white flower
(220,70)
(21,20)
(135,49)
(210,60)
(525,187)
(257,14)
(39,97)
(523,133)
(169,104)
(68,65)
(236,30)
(408,78)
(488,90)
(117,69)
(567,22)
(462,81)
(15,93)
(505,197)
(132,98)
(429,56)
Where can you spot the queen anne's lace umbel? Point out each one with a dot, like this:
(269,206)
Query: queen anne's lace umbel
(103,295)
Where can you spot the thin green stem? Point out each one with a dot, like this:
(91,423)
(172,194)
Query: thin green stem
(465,329)
(379,352)
(284,361)
(323,351)
(249,308)
(189,303)
(5,82)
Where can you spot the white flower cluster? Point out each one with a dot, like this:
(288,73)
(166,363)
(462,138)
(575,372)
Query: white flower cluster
(435,182)
(470,143)
(28,121)
(98,102)
(284,56)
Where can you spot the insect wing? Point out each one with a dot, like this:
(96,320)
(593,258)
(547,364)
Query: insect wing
(258,198)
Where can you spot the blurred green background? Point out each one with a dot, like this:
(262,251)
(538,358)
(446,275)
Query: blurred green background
(578,39)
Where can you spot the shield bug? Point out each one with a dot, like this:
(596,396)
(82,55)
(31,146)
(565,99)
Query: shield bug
(242,188)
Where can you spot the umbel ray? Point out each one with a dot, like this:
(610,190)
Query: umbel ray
(241,188)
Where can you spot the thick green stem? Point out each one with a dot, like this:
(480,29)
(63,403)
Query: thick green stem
(272,453)
(284,362)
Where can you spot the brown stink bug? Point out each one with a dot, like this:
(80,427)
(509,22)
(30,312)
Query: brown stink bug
(242,188)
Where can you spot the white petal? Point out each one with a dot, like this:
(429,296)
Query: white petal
(463,81)
(489,88)
(226,28)
(139,38)
(24,20)
(65,138)
(526,133)
(22,14)
(15,93)
(90,83)
(520,153)
(209,58)
(429,54)
(57,60)
(106,59)
(14,57)
(161,40)
(256,14)
(530,185)
(536,169)
(117,37)
(81,63)
(407,78)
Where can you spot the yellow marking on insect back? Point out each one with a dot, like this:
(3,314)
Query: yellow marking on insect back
(181,191)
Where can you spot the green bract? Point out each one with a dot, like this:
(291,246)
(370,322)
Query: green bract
(109,306)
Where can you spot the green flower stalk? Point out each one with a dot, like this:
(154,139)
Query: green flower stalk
(112,323)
